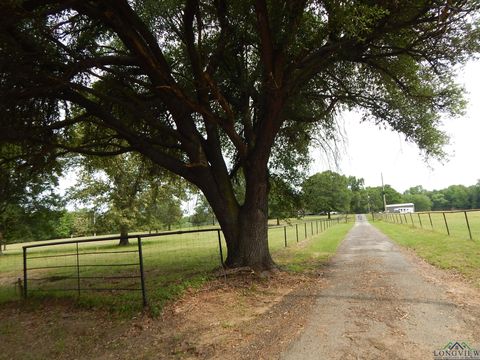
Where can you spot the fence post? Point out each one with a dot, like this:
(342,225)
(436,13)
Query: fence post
(220,248)
(405,217)
(285,235)
(142,273)
(430,217)
(305,230)
(446,224)
(25,272)
(311,226)
(420,220)
(468,225)
(78,271)
(296,231)
(411,218)
(316,223)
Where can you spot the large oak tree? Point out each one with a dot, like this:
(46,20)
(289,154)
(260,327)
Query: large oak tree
(219,90)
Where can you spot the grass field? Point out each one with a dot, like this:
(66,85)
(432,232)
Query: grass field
(172,263)
(456,222)
(446,252)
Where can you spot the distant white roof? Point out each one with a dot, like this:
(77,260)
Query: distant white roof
(399,205)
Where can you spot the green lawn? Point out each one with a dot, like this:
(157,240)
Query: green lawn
(456,222)
(446,252)
(172,263)
(314,253)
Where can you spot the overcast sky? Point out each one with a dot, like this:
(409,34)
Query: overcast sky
(370,151)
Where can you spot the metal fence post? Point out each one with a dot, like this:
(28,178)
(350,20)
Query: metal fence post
(142,273)
(446,224)
(311,225)
(430,217)
(78,271)
(285,235)
(296,231)
(411,218)
(25,272)
(420,220)
(305,230)
(468,225)
(220,250)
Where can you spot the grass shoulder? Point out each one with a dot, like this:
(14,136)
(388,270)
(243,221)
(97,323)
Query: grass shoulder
(440,250)
(313,252)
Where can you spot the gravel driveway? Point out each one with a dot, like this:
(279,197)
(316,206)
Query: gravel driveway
(384,303)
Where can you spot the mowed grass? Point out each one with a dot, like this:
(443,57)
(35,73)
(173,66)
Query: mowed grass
(172,263)
(446,252)
(315,252)
(436,221)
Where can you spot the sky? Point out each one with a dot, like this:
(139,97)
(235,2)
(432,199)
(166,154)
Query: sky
(369,151)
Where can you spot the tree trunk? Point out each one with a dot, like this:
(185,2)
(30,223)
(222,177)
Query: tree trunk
(246,230)
(123,235)
(278,221)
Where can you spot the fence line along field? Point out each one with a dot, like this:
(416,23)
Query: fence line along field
(171,263)
(463,224)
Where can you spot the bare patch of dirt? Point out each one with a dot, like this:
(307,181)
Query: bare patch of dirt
(244,315)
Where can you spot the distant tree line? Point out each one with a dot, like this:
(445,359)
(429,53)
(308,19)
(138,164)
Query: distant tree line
(329,192)
(126,193)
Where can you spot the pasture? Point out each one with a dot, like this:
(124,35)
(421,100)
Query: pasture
(453,222)
(172,263)
(454,252)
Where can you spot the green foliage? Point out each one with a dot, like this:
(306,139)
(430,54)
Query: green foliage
(421,201)
(29,208)
(210,90)
(284,201)
(326,192)
(126,192)
(203,214)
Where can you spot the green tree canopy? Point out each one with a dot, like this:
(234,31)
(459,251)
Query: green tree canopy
(206,89)
(326,192)
(421,201)
(27,196)
(284,200)
(130,189)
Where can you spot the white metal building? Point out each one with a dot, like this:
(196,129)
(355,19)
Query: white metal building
(401,208)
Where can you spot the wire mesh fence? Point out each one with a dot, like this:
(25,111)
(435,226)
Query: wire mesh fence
(83,265)
(144,268)
(462,223)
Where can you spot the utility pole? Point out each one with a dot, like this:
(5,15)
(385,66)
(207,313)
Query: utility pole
(383,193)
